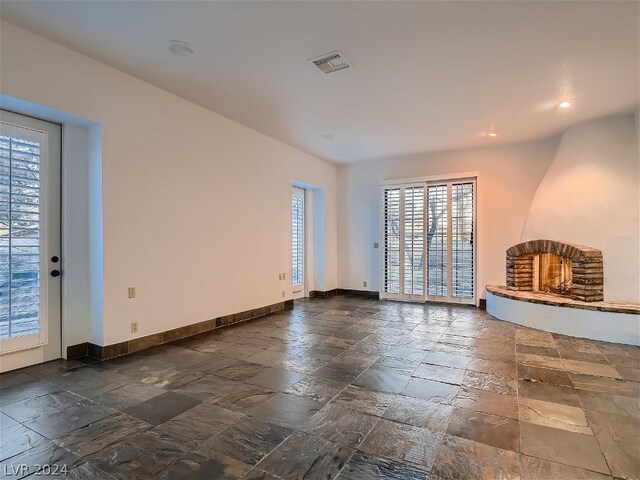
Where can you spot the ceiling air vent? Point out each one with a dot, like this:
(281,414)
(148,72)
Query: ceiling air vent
(331,62)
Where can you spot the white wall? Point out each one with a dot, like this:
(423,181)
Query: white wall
(507,179)
(591,196)
(76,294)
(195,206)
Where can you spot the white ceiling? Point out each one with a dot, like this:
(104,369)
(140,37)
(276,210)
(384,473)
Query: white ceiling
(426,75)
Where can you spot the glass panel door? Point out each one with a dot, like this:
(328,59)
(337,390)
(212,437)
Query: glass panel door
(403,242)
(450,241)
(391,243)
(29,240)
(462,250)
(438,240)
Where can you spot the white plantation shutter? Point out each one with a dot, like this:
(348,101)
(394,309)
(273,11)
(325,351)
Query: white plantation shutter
(297,236)
(450,241)
(462,251)
(403,242)
(437,239)
(19,237)
(391,240)
(413,240)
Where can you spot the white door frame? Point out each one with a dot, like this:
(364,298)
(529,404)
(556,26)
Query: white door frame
(46,344)
(401,295)
(448,180)
(449,298)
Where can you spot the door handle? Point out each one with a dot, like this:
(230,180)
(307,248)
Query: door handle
(55,273)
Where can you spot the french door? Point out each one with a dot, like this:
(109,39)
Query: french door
(29,241)
(403,242)
(450,241)
(428,241)
(297,242)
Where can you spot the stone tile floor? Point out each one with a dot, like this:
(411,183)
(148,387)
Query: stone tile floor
(344,388)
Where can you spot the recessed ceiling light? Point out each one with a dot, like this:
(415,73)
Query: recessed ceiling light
(492,133)
(328,136)
(180,48)
(565,104)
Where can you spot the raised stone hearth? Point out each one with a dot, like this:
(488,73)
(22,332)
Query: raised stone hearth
(544,298)
(575,271)
(607,321)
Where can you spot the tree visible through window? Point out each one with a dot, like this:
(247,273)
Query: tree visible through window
(19,237)
(428,244)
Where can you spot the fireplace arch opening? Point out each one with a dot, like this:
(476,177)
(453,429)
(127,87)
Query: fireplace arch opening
(560,268)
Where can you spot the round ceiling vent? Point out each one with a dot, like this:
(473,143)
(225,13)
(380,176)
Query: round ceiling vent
(180,48)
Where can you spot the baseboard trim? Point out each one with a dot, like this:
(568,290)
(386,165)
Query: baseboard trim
(359,293)
(77,351)
(323,294)
(141,343)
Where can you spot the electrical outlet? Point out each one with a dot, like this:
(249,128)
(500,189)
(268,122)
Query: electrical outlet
(134,327)
(364,284)
(279,276)
(284,276)
(283,294)
(132,292)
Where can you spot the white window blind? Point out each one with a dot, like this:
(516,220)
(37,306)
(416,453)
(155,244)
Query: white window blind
(437,243)
(413,240)
(403,242)
(391,240)
(462,201)
(19,237)
(450,242)
(297,236)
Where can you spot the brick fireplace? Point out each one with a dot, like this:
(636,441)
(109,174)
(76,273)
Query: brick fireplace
(574,271)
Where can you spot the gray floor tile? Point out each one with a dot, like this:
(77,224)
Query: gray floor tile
(344,386)
(162,408)
(340,425)
(196,467)
(98,435)
(402,443)
(248,441)
(306,456)
(71,418)
(366,467)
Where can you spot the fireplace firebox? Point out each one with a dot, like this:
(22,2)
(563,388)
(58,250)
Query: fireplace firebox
(560,268)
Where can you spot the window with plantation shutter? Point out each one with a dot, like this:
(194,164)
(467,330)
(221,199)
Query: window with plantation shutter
(19,237)
(391,241)
(297,237)
(437,240)
(403,242)
(462,251)
(413,240)
(450,241)
(428,241)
